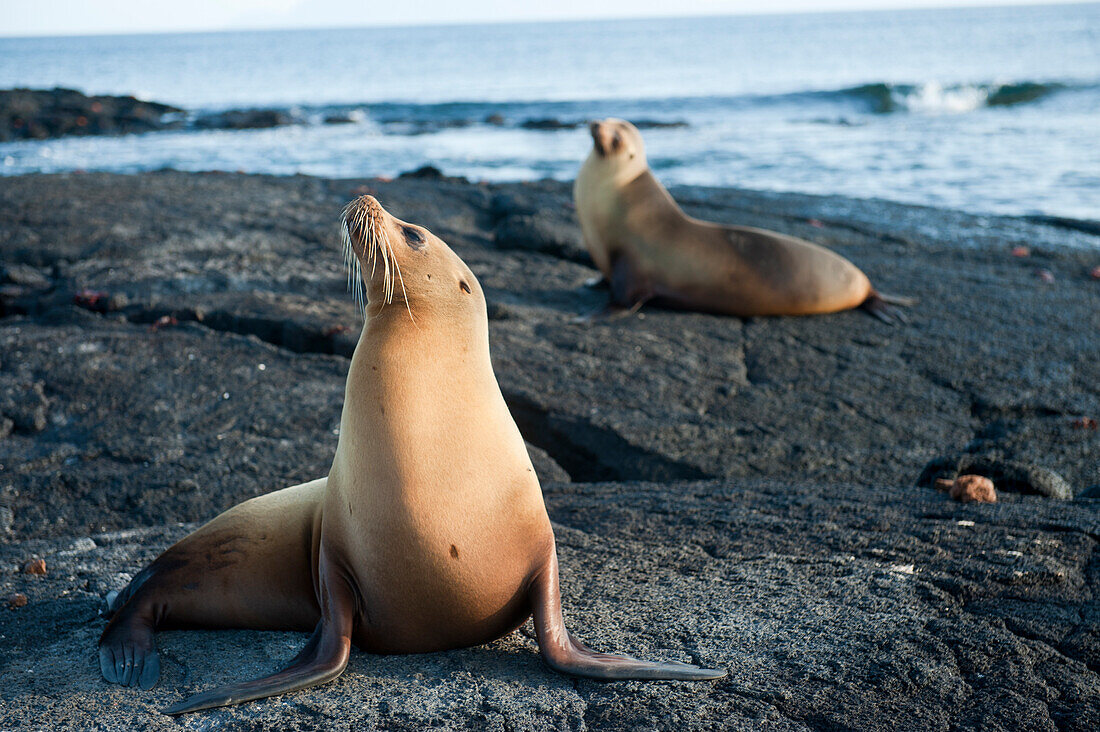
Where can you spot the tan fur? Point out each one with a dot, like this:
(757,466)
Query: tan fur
(428,462)
(429,532)
(431,490)
(647,247)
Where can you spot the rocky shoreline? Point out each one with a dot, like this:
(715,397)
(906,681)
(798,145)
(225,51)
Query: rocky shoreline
(753,493)
(32,114)
(40,114)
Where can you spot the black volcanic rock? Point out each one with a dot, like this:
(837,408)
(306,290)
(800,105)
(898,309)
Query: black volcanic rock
(833,607)
(548,124)
(658,124)
(430,173)
(998,369)
(551,124)
(244,119)
(40,114)
(744,491)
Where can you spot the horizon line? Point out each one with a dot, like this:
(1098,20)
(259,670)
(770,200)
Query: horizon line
(999,4)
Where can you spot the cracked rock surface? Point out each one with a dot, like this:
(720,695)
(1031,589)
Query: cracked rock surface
(749,493)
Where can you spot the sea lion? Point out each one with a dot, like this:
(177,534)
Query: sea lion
(648,249)
(429,532)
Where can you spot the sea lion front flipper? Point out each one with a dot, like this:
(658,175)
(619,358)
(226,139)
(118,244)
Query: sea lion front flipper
(322,660)
(628,289)
(128,656)
(610,311)
(628,293)
(127,653)
(565,654)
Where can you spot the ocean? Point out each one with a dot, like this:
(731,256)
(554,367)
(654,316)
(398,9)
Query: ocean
(993,110)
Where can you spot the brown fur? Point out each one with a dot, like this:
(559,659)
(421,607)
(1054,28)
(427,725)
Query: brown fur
(648,248)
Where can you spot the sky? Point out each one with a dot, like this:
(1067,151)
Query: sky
(78,17)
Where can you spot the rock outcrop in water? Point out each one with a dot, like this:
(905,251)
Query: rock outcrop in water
(752,493)
(244,119)
(42,114)
(28,114)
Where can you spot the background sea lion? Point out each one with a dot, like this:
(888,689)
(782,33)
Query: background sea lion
(429,532)
(648,249)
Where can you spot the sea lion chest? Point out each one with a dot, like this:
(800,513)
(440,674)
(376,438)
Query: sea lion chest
(433,506)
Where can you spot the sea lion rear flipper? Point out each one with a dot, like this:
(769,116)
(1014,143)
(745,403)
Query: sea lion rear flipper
(883,307)
(565,654)
(322,660)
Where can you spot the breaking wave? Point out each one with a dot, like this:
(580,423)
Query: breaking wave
(931,97)
(884,98)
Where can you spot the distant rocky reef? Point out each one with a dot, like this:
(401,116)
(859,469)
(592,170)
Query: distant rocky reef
(39,114)
(30,114)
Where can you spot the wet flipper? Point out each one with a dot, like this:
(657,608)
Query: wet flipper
(565,654)
(127,655)
(885,307)
(322,660)
(610,311)
(628,294)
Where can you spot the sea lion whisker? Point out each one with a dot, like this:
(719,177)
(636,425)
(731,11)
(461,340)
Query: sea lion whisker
(372,245)
(351,264)
(373,262)
(359,280)
(375,238)
(387,250)
(381,241)
(346,225)
(404,293)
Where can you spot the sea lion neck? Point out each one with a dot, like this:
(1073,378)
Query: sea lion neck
(392,343)
(646,190)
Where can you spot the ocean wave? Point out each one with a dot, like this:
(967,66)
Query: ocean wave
(414,118)
(671,112)
(885,98)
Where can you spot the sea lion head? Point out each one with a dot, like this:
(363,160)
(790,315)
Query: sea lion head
(618,148)
(389,259)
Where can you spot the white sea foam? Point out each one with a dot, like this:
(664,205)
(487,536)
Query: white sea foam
(934,98)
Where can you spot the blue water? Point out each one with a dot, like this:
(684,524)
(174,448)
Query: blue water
(988,110)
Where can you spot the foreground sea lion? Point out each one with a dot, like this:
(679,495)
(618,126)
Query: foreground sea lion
(430,531)
(648,249)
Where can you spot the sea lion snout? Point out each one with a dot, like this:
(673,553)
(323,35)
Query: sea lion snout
(607,136)
(365,231)
(597,130)
(360,217)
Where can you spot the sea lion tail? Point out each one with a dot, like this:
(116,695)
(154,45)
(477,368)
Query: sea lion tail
(885,307)
(322,660)
(565,654)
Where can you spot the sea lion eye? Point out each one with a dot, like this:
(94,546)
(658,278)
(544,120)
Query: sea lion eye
(413,238)
(465,287)
(616,142)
